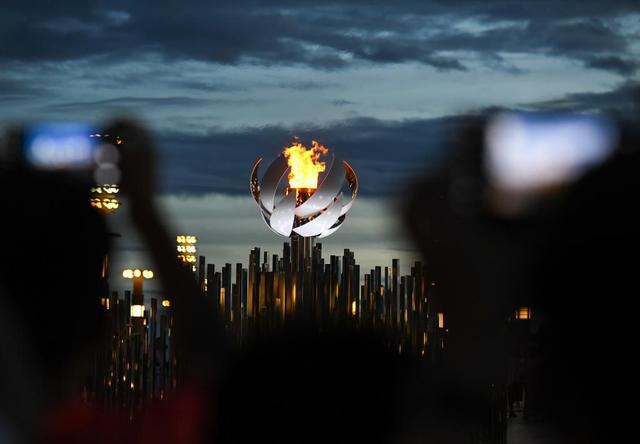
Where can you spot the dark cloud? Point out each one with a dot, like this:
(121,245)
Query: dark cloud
(383,153)
(622,100)
(588,40)
(201,85)
(342,102)
(326,35)
(612,63)
(129,102)
(178,110)
(14,89)
(304,85)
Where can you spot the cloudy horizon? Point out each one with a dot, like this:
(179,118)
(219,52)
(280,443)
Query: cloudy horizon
(383,84)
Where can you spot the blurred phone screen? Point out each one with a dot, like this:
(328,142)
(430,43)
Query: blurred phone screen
(60,146)
(531,151)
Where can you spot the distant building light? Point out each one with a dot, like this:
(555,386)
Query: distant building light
(523,313)
(440,320)
(105,204)
(187,249)
(105,189)
(137,311)
(104,198)
(186,239)
(166,303)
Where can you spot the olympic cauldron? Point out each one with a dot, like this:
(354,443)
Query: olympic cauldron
(303,207)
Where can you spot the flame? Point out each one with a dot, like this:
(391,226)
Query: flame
(305,164)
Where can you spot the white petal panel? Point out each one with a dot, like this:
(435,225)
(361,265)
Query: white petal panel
(352,178)
(322,222)
(254,183)
(325,193)
(265,218)
(283,215)
(271,180)
(330,231)
(346,207)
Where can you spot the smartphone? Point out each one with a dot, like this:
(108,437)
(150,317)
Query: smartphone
(533,151)
(61,146)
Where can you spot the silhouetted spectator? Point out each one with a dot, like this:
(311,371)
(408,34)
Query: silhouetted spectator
(53,246)
(567,258)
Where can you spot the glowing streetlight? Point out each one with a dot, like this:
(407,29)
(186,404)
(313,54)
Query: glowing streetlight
(136,273)
(138,276)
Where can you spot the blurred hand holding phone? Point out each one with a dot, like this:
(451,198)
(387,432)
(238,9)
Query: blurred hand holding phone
(77,148)
(529,155)
(60,146)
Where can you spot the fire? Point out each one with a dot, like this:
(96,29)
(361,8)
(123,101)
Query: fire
(305,164)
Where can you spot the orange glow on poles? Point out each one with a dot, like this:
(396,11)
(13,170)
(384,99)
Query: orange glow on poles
(305,164)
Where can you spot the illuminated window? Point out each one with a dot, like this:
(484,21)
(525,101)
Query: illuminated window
(137,311)
(523,313)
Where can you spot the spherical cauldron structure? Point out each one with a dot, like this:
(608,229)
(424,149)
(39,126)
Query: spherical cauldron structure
(307,212)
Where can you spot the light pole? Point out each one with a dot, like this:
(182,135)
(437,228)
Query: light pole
(137,299)
(104,195)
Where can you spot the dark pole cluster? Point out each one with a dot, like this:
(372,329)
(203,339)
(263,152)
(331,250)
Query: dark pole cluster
(137,360)
(301,286)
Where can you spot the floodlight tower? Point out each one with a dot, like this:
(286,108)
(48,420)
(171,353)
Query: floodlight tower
(187,250)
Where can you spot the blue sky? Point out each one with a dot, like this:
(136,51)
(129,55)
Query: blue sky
(383,83)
